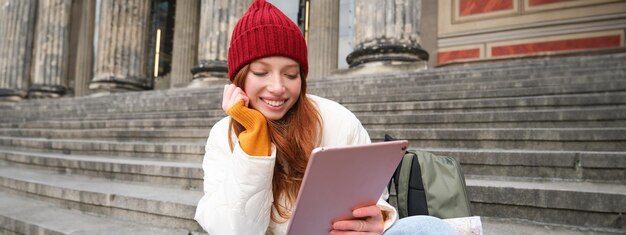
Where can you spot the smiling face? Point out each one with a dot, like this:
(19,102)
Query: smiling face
(273,85)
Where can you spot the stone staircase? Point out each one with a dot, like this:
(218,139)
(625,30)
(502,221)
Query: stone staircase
(542,143)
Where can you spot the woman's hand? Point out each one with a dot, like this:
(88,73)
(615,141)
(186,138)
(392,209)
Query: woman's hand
(232,94)
(369,221)
(255,140)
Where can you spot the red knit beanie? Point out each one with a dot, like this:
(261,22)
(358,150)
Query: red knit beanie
(265,31)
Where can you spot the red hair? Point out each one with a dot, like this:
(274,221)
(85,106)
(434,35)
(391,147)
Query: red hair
(294,135)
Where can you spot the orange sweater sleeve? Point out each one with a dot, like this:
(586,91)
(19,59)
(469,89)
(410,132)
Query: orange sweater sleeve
(255,140)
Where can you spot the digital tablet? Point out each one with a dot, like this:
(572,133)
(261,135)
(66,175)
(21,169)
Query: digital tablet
(338,180)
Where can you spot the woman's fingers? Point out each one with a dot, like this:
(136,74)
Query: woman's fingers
(368,211)
(336,232)
(369,220)
(241,95)
(235,99)
(232,95)
(226,97)
(370,224)
(359,225)
(350,225)
(246,99)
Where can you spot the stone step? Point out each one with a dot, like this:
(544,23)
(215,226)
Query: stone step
(567,101)
(178,135)
(21,215)
(495,69)
(200,123)
(410,107)
(202,101)
(546,118)
(143,203)
(358,90)
(475,72)
(591,205)
(614,59)
(80,106)
(504,124)
(187,104)
(609,167)
(604,87)
(184,175)
(163,151)
(573,165)
(487,225)
(598,139)
(425,83)
(376,85)
(118,116)
(211,113)
(587,139)
(146,97)
(578,117)
(499,226)
(602,93)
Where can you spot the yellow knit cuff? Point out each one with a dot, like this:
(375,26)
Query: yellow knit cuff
(255,140)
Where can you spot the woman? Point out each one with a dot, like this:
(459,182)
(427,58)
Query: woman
(256,156)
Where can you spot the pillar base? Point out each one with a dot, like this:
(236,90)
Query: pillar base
(110,87)
(209,73)
(116,84)
(210,66)
(384,50)
(207,81)
(40,91)
(10,95)
(381,68)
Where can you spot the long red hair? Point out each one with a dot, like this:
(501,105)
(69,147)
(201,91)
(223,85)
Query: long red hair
(295,136)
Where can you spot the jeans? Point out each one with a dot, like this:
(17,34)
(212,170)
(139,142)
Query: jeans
(418,225)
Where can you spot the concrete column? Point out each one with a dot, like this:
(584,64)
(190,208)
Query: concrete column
(185,49)
(323,37)
(387,32)
(83,67)
(49,77)
(429,30)
(17,20)
(121,57)
(217,21)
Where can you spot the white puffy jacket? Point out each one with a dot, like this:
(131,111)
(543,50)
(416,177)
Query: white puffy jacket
(238,187)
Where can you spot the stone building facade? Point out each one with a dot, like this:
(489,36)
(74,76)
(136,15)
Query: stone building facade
(55,48)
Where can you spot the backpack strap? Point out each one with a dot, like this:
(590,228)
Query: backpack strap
(403,184)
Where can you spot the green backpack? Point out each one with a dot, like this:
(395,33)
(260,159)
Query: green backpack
(427,184)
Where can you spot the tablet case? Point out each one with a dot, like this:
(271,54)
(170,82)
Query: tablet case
(340,179)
